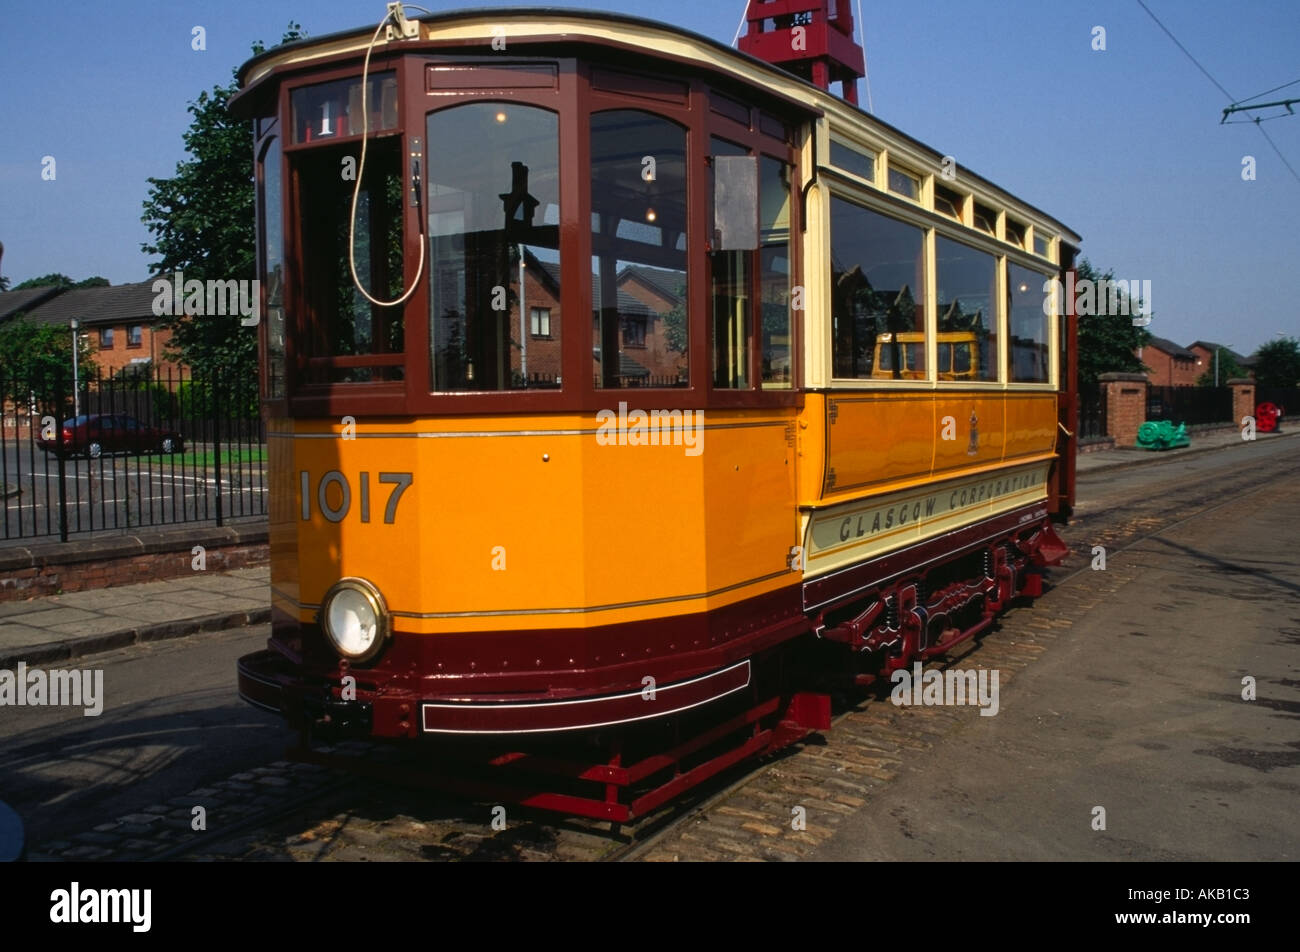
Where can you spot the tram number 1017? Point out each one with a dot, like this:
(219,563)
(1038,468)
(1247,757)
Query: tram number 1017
(343,495)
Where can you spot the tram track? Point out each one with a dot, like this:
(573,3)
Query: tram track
(747,812)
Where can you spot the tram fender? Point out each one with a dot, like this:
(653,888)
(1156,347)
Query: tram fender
(1050,548)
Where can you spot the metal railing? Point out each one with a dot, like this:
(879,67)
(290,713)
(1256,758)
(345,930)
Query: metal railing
(1092,412)
(146,449)
(1190,405)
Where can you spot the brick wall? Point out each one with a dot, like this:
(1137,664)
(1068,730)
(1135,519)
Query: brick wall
(1126,405)
(126,560)
(1243,399)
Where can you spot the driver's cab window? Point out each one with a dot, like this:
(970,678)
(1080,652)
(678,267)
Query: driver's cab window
(493,208)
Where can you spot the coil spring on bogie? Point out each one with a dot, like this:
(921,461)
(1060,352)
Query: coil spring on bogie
(891,612)
(988,563)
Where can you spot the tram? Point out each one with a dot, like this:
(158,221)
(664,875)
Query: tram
(594,466)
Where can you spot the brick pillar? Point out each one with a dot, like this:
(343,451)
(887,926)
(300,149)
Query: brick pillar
(1243,399)
(1126,405)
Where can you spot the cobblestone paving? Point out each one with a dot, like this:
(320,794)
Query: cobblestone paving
(304,813)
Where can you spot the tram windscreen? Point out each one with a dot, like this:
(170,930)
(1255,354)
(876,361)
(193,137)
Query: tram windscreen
(347,338)
(638,240)
(493,201)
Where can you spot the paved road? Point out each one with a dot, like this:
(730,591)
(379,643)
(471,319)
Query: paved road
(1133,705)
(1138,711)
(171,722)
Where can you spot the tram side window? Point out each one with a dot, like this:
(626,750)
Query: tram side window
(1029,325)
(273,268)
(774,270)
(877,295)
(732,295)
(348,339)
(638,224)
(493,201)
(967,308)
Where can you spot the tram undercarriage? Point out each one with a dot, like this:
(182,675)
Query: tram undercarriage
(624,770)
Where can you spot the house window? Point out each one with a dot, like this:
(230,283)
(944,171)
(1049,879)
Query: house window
(134,335)
(541,321)
(634,332)
(106,338)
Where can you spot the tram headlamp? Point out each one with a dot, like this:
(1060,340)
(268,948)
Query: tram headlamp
(355,619)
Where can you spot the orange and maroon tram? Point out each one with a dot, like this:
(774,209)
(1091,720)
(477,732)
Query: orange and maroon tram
(625,390)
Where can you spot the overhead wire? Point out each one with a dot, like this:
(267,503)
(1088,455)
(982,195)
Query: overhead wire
(1266,92)
(740,26)
(866,73)
(1219,86)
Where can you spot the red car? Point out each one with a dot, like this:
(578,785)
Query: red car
(101,433)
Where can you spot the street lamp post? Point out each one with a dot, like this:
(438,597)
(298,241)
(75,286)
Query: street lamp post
(76,386)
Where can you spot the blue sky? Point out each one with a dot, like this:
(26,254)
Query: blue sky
(1124,145)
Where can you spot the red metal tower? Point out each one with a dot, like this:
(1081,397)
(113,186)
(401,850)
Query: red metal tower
(810,38)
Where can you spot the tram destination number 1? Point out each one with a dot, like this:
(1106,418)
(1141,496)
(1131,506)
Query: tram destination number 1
(399,481)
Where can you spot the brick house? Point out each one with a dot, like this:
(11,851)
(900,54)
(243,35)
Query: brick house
(1171,364)
(118,321)
(13,303)
(1205,351)
(644,297)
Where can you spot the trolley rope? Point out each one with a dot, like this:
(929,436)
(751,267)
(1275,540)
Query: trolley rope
(361,173)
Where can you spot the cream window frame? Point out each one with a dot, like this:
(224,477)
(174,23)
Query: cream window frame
(999,304)
(893,206)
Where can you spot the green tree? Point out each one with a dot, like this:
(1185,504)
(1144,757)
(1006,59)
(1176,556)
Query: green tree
(203,223)
(37,362)
(60,280)
(1277,364)
(1229,369)
(55,280)
(1108,342)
